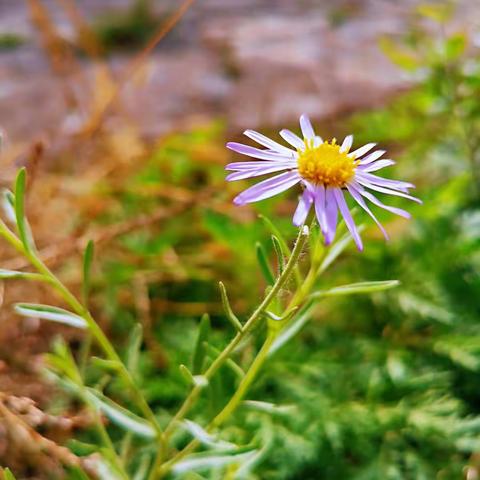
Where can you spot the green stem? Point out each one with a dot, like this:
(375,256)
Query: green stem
(245,383)
(251,322)
(232,404)
(254,318)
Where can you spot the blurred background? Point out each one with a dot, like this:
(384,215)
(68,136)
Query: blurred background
(120,110)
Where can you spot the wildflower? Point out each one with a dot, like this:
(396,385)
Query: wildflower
(325,170)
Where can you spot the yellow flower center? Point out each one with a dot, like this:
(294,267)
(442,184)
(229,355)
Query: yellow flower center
(326,164)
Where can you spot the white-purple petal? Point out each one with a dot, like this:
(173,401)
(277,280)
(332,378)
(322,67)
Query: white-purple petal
(369,178)
(303,207)
(388,191)
(347,143)
(378,203)
(342,205)
(358,198)
(256,172)
(371,157)
(306,127)
(362,150)
(373,167)
(256,152)
(268,142)
(319,196)
(331,210)
(241,166)
(268,188)
(292,139)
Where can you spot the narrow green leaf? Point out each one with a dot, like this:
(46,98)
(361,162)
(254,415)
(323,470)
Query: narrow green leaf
(121,416)
(283,244)
(193,380)
(104,466)
(22,225)
(65,383)
(205,438)
(76,473)
(63,361)
(199,352)
(11,274)
(8,475)
(108,365)
(355,288)
(228,309)
(281,260)
(47,312)
(81,448)
(142,470)
(246,468)
(87,267)
(187,374)
(264,265)
(207,461)
(268,407)
(133,348)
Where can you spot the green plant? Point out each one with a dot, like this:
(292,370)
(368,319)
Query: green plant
(278,315)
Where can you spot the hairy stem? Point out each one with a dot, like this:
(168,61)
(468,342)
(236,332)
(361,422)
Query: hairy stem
(251,322)
(232,404)
(251,374)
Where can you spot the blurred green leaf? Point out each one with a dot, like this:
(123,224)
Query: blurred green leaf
(22,225)
(203,461)
(281,260)
(87,267)
(356,288)
(264,264)
(53,314)
(398,54)
(455,46)
(134,344)
(8,475)
(199,352)
(437,11)
(205,438)
(14,274)
(121,416)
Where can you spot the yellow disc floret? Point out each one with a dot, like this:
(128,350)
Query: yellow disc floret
(326,165)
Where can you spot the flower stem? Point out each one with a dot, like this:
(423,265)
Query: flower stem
(251,322)
(254,318)
(232,404)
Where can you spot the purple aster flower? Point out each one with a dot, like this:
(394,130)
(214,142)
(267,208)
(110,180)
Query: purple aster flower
(325,171)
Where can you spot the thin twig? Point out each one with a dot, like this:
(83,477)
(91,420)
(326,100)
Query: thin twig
(135,65)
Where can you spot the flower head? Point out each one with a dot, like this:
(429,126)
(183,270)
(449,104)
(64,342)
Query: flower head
(325,170)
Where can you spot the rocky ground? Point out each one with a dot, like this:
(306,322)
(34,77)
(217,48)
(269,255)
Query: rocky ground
(255,62)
